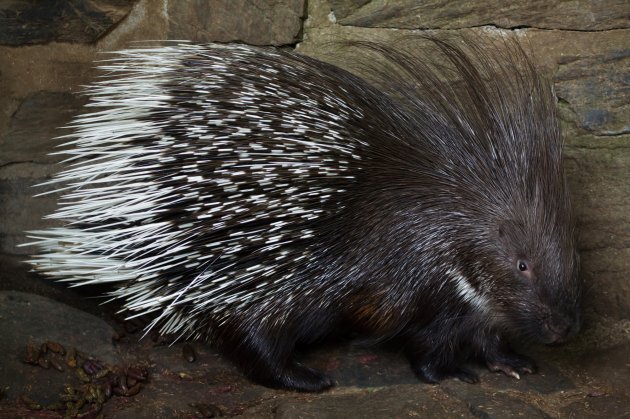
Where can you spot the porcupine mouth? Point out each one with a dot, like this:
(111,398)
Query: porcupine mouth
(561,331)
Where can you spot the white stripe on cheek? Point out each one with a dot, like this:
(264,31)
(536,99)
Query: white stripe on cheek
(466,291)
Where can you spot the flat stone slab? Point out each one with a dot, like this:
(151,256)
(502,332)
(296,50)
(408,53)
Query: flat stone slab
(439,14)
(35,22)
(256,22)
(29,320)
(25,161)
(596,89)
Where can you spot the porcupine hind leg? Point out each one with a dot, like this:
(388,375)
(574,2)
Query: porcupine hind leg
(266,356)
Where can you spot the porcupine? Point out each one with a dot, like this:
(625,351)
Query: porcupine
(262,199)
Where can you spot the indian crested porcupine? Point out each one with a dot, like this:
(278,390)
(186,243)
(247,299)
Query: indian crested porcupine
(261,199)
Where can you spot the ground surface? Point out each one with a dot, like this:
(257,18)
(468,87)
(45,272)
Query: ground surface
(107,368)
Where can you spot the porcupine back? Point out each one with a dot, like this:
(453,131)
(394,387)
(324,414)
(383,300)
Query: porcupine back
(229,184)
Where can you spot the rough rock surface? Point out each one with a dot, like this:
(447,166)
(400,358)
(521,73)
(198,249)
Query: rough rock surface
(24,162)
(256,22)
(35,22)
(596,88)
(442,14)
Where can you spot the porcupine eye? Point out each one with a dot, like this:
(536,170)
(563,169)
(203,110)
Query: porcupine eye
(525,270)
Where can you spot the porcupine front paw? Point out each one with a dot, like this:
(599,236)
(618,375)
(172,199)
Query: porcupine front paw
(433,374)
(511,364)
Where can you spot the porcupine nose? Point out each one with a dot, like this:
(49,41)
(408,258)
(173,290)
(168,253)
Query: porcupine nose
(561,328)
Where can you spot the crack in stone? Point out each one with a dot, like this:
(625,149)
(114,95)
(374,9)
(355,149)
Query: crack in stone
(492,26)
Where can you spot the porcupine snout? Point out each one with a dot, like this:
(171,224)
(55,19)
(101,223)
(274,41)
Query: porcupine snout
(562,319)
(560,328)
(565,319)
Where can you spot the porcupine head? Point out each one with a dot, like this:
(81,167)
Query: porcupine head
(264,200)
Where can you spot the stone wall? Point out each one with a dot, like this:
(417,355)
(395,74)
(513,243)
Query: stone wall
(47,54)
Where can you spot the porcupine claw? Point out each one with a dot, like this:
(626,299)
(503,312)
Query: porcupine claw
(465,375)
(432,375)
(512,365)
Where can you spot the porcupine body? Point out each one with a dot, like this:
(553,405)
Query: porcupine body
(261,199)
